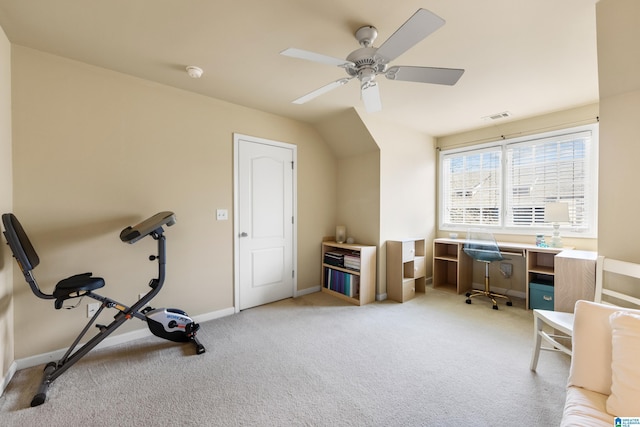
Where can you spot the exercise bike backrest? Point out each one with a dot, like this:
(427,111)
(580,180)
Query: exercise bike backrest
(23,251)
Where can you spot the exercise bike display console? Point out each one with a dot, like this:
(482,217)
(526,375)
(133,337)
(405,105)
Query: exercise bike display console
(168,323)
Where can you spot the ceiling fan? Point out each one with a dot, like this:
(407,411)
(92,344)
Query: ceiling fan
(367,62)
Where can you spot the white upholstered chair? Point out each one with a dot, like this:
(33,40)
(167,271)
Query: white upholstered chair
(562,323)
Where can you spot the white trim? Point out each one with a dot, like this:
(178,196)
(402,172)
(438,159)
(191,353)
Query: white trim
(306,291)
(7,378)
(236,220)
(201,318)
(53,356)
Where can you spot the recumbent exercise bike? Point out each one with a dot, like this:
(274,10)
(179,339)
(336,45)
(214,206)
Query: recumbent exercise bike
(168,323)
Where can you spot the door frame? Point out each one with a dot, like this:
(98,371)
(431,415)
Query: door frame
(236,217)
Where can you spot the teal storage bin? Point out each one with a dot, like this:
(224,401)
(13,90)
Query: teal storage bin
(541,296)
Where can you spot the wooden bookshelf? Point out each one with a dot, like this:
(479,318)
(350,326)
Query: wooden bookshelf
(365,274)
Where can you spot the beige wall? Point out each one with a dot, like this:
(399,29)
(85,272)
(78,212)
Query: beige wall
(6,205)
(407,188)
(95,151)
(386,177)
(358,203)
(619,81)
(357,175)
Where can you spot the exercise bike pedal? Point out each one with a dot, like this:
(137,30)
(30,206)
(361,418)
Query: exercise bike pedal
(200,349)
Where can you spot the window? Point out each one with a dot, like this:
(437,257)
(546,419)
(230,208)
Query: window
(506,184)
(474,189)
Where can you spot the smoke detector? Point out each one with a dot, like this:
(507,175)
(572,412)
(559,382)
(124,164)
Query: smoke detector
(194,72)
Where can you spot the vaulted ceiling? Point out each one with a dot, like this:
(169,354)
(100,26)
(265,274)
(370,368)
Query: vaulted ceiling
(525,57)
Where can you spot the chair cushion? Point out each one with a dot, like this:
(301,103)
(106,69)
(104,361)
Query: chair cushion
(585,408)
(624,400)
(591,361)
(78,283)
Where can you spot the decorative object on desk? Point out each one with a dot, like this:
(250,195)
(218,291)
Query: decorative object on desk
(556,213)
(540,241)
(341,234)
(350,240)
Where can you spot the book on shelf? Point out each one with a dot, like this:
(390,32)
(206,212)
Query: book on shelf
(352,261)
(334,258)
(339,281)
(343,259)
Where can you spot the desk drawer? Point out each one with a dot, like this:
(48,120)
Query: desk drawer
(408,289)
(408,250)
(540,296)
(415,268)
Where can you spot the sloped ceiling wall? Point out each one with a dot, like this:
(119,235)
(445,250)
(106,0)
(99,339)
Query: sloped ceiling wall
(346,134)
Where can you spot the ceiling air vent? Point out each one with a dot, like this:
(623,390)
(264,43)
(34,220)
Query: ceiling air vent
(497,116)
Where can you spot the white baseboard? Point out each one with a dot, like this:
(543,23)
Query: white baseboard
(110,341)
(214,315)
(307,291)
(7,378)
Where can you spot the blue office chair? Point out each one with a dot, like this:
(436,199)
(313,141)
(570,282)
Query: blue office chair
(482,246)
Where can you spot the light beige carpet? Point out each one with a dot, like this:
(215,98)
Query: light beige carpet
(315,361)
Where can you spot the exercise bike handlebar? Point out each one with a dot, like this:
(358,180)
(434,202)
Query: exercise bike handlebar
(151,226)
(148,226)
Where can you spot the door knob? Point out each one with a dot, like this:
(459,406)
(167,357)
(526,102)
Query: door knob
(243,234)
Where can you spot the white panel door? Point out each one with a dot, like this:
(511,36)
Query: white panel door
(265,240)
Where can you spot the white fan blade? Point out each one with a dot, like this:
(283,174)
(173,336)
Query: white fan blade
(371,97)
(324,89)
(440,76)
(419,26)
(316,57)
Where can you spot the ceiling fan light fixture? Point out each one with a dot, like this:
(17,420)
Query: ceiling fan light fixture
(194,72)
(366,75)
(368,61)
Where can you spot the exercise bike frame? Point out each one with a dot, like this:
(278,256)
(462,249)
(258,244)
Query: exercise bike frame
(28,259)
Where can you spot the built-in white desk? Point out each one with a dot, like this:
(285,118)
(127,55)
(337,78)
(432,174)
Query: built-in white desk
(453,269)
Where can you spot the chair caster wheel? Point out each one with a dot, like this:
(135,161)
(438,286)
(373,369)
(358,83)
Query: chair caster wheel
(509,303)
(468,294)
(468,301)
(495,307)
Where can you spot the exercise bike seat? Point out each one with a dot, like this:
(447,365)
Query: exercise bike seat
(76,286)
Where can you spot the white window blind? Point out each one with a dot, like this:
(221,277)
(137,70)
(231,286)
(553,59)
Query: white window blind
(554,169)
(506,184)
(472,187)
